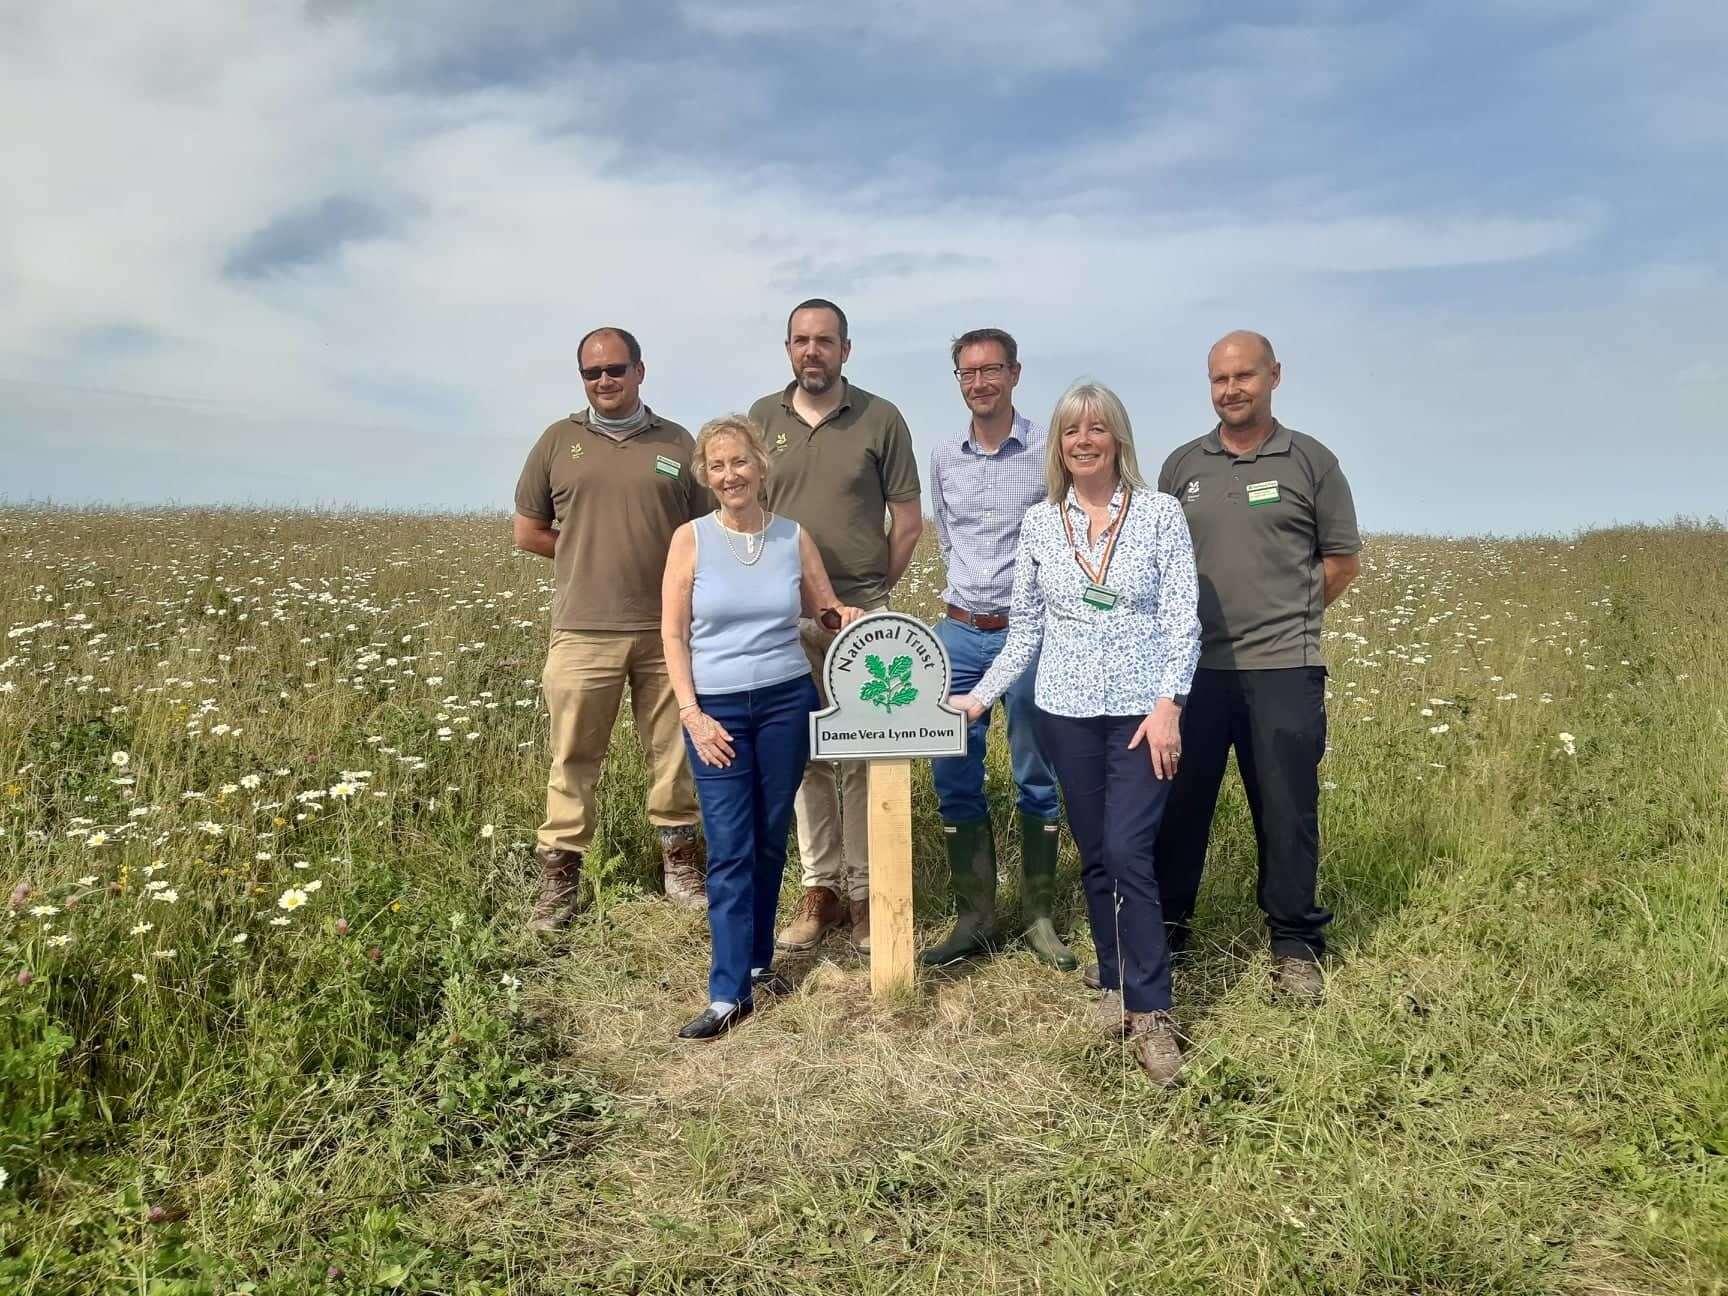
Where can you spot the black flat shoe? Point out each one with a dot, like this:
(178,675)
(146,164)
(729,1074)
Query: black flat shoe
(709,1024)
(770,983)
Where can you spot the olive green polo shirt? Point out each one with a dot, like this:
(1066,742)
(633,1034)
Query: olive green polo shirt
(836,480)
(1261,524)
(616,504)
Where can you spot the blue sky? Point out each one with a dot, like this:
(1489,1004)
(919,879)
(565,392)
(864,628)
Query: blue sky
(341,252)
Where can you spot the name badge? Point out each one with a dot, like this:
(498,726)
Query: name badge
(1099,596)
(666,467)
(1260,493)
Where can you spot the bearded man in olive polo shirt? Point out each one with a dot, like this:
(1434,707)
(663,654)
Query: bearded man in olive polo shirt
(842,456)
(1275,541)
(601,494)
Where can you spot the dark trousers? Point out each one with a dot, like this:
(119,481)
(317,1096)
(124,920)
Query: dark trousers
(1276,720)
(1114,804)
(746,814)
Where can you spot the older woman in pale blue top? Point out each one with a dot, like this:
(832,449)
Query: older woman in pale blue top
(736,583)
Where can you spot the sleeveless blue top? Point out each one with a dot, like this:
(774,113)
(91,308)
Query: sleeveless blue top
(744,620)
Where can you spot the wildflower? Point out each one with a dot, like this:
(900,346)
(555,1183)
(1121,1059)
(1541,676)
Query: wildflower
(313,885)
(166,954)
(250,781)
(43,911)
(120,760)
(139,977)
(292,898)
(20,894)
(486,831)
(279,922)
(140,928)
(1570,743)
(1426,711)
(240,938)
(25,977)
(96,839)
(509,982)
(168,895)
(343,790)
(341,926)
(1439,728)
(59,940)
(88,880)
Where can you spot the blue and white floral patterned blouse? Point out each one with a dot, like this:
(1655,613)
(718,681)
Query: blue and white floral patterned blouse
(1097,662)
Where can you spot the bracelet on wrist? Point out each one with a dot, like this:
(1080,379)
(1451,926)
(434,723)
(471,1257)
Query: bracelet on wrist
(688,706)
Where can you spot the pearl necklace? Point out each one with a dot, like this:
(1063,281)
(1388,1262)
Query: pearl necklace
(753,541)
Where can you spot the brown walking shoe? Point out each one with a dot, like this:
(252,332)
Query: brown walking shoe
(1157,1047)
(1300,980)
(560,879)
(684,869)
(1108,1016)
(861,925)
(817,914)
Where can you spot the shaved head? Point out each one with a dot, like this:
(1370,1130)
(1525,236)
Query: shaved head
(1245,337)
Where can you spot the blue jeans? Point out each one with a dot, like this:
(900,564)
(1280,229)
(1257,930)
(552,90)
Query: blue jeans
(960,779)
(1115,805)
(746,814)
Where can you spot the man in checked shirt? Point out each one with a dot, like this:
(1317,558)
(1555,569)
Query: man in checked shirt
(980,488)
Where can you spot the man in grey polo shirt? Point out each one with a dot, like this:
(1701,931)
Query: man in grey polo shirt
(980,488)
(843,463)
(1275,541)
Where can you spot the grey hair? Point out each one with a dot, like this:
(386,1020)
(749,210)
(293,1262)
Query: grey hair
(1082,398)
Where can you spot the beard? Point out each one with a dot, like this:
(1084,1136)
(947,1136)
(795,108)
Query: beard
(817,383)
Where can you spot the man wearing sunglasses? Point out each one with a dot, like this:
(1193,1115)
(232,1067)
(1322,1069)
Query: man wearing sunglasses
(601,494)
(980,488)
(843,460)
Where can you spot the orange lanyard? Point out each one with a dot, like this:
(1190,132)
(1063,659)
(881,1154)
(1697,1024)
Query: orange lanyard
(1097,577)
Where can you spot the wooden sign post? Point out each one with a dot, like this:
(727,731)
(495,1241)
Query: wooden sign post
(893,951)
(887,679)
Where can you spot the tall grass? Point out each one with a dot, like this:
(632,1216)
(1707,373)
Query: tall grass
(269,1021)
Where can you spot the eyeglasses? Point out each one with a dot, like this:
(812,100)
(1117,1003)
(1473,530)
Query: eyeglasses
(990,371)
(591,372)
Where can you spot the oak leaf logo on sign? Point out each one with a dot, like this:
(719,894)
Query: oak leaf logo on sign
(891,687)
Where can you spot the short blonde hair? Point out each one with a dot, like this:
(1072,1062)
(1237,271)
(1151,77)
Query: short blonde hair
(1083,398)
(742,427)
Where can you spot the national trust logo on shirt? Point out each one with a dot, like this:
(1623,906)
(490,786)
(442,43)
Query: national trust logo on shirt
(888,677)
(1193,492)
(779,442)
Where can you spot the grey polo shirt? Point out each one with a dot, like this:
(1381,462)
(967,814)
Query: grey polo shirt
(1261,524)
(836,481)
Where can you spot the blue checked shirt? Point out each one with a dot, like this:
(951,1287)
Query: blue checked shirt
(979,500)
(1097,662)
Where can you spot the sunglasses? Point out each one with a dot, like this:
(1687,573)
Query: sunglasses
(591,372)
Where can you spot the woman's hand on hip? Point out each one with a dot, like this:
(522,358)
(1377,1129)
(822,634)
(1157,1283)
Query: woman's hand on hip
(709,737)
(1162,733)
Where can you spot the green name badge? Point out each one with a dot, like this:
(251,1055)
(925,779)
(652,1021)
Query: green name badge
(1259,493)
(1099,596)
(666,467)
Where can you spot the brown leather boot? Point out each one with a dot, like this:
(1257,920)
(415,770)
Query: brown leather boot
(1299,980)
(1157,1047)
(560,879)
(817,914)
(684,869)
(861,925)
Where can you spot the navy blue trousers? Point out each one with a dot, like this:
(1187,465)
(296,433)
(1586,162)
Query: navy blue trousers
(1114,806)
(746,814)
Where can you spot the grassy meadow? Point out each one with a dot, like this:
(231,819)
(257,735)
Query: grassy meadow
(270,1022)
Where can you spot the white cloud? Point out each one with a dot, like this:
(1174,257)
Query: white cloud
(417,360)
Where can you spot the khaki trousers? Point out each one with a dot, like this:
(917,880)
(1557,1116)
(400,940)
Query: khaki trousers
(833,803)
(586,671)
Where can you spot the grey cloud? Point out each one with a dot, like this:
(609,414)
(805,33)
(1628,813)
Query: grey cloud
(305,237)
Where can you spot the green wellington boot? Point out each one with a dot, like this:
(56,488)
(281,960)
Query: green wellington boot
(972,868)
(1039,842)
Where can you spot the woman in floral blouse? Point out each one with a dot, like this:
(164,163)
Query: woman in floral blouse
(1104,581)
